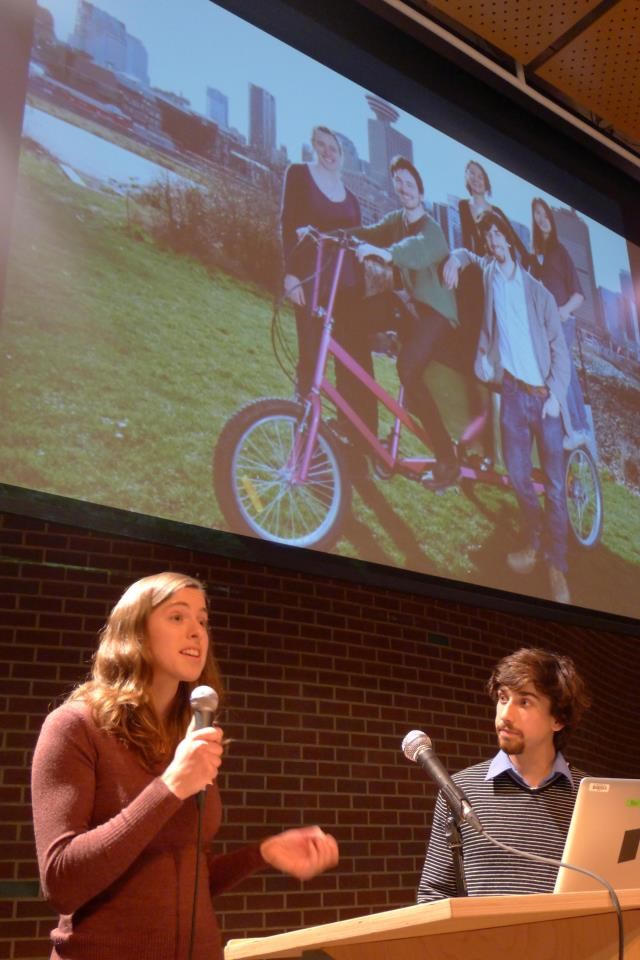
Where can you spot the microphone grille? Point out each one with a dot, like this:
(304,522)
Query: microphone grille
(415,741)
(204,698)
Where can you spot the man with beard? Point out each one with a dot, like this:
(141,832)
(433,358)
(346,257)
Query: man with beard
(420,308)
(522,350)
(524,796)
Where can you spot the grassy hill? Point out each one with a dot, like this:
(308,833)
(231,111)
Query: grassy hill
(121,362)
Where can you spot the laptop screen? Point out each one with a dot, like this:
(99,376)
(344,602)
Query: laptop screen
(604,836)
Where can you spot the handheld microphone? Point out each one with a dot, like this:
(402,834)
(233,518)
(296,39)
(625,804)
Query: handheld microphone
(204,703)
(417,747)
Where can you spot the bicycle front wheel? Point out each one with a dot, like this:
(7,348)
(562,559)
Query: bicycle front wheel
(255,471)
(584,497)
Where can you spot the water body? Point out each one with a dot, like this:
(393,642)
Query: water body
(89,154)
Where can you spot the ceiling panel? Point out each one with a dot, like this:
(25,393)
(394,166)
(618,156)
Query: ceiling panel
(600,68)
(521,28)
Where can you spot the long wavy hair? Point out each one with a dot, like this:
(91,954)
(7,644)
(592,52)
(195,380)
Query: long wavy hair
(487,182)
(119,688)
(540,243)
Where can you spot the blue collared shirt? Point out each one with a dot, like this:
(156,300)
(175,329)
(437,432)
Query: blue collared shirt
(501,763)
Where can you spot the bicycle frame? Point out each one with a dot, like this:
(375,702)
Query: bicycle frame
(387,454)
(280,473)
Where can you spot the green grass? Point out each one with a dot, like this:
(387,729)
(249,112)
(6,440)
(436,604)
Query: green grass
(121,363)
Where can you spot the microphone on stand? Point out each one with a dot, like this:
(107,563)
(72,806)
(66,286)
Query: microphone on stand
(204,703)
(417,747)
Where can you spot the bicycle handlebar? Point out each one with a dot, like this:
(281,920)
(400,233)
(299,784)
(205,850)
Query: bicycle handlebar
(341,237)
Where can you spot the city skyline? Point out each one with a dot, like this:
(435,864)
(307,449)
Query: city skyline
(187,61)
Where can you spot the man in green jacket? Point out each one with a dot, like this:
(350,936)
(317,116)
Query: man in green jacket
(420,308)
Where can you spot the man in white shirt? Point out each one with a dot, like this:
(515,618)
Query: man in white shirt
(522,347)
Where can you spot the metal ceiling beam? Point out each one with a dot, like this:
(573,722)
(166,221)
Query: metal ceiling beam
(518,82)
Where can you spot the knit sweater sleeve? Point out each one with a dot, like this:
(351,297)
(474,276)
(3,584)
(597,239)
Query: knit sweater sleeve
(438,878)
(77,860)
(382,233)
(226,870)
(421,251)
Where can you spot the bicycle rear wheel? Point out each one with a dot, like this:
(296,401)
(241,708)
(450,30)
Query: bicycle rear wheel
(584,497)
(255,477)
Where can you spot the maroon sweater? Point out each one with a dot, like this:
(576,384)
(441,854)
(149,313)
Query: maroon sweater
(116,849)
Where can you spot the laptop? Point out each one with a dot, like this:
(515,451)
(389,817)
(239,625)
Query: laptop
(604,836)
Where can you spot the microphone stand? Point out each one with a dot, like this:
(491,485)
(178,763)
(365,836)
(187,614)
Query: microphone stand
(454,840)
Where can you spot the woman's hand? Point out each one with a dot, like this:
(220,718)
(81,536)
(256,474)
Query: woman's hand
(303,853)
(195,763)
(293,290)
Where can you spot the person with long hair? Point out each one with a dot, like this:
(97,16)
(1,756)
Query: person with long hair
(123,851)
(314,194)
(478,186)
(553,266)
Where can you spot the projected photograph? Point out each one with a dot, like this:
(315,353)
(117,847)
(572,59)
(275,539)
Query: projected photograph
(248,294)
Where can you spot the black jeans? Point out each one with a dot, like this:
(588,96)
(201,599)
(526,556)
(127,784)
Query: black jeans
(420,329)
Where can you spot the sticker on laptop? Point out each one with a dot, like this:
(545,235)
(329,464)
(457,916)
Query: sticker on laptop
(599,787)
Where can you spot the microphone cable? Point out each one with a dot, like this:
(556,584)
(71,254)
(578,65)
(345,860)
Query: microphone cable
(417,742)
(569,866)
(200,798)
(204,703)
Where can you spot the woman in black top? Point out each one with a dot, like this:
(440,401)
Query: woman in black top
(552,265)
(315,195)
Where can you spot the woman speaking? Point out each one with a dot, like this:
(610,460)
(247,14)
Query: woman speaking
(122,844)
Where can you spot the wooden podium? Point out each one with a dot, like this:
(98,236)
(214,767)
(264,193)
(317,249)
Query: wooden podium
(564,926)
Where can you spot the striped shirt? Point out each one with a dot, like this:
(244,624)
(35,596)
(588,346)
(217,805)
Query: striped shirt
(534,820)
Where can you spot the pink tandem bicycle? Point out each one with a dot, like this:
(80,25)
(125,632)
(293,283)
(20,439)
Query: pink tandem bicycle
(281,471)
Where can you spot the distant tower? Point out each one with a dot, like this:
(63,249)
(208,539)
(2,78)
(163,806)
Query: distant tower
(105,38)
(522,232)
(629,307)
(350,158)
(262,120)
(218,107)
(574,234)
(385,142)
(612,315)
(137,60)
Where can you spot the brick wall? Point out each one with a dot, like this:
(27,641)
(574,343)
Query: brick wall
(324,679)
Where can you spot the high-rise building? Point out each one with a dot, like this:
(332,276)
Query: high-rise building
(106,40)
(218,107)
(350,159)
(611,306)
(137,60)
(523,232)
(262,120)
(629,308)
(455,226)
(573,232)
(385,142)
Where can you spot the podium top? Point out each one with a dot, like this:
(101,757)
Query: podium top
(429,919)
